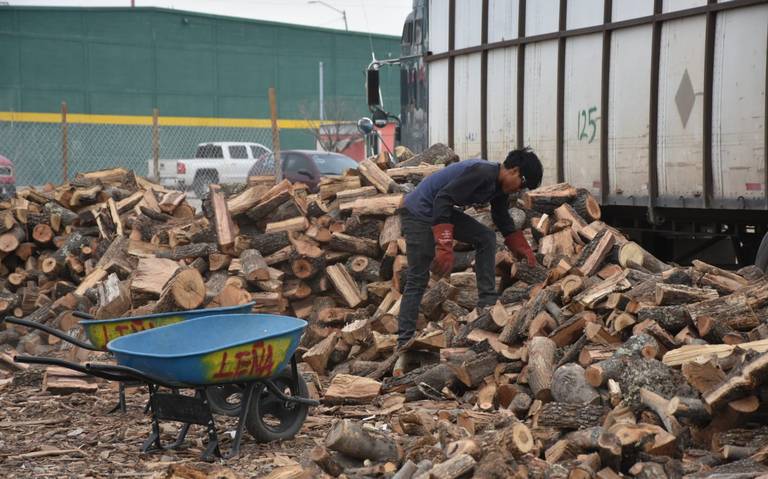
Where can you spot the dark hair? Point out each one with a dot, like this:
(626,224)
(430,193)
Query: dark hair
(528,163)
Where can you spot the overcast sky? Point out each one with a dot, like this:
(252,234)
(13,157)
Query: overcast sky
(375,16)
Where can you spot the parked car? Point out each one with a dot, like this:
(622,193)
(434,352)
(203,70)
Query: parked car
(305,166)
(7,177)
(219,162)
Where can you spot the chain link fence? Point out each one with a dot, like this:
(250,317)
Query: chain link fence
(51,148)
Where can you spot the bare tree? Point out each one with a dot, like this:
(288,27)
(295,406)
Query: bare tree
(338,129)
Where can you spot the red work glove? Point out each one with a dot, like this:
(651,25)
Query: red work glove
(443,262)
(518,245)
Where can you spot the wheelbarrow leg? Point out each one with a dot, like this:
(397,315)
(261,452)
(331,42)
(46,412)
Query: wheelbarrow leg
(212,451)
(245,406)
(152,443)
(120,406)
(185,428)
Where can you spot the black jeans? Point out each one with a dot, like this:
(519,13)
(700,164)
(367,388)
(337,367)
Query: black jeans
(420,248)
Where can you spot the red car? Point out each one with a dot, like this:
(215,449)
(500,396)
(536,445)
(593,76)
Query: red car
(7,177)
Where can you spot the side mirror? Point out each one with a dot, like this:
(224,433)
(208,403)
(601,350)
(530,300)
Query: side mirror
(372,87)
(365,125)
(380,118)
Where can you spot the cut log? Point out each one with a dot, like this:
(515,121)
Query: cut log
(42,233)
(594,253)
(740,383)
(632,255)
(379,206)
(253,266)
(299,223)
(541,358)
(186,290)
(11,239)
(672,294)
(363,268)
(522,272)
(732,310)
(329,186)
(587,206)
(546,199)
(350,438)
(571,415)
(672,318)
(472,372)
(570,386)
(435,296)
(363,246)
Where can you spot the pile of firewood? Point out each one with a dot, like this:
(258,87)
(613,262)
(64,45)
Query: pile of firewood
(601,360)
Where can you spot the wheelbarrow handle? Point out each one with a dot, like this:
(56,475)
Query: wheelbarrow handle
(53,332)
(133,374)
(83,315)
(296,399)
(70,365)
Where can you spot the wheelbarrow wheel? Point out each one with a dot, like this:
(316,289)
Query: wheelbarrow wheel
(272,419)
(225,399)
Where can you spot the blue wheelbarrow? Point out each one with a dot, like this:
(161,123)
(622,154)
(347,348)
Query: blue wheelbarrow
(102,331)
(254,352)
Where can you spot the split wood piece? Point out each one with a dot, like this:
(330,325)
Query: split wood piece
(692,409)
(660,406)
(272,200)
(152,274)
(486,396)
(363,246)
(247,199)
(541,357)
(421,171)
(605,443)
(480,335)
(430,341)
(568,213)
(595,252)
(90,281)
(329,186)
(739,383)
(571,415)
(375,176)
(592,295)
(728,279)
(571,285)
(320,456)
(559,243)
(547,198)
(391,231)
(732,310)
(225,228)
(463,446)
(62,381)
(672,294)
(355,440)
(702,374)
(540,226)
(586,205)
(384,205)
(253,266)
(350,195)
(299,223)
(632,255)
(596,333)
(472,372)
(317,357)
(531,275)
(356,332)
(348,389)
(218,261)
(185,291)
(187,251)
(436,295)
(514,329)
(690,352)
(344,284)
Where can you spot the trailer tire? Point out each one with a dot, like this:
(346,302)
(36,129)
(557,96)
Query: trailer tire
(202,180)
(761,260)
(269,418)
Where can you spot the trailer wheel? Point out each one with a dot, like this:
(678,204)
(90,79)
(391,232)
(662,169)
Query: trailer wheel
(225,399)
(271,419)
(761,260)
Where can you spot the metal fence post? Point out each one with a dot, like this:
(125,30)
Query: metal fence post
(64,143)
(275,131)
(155,144)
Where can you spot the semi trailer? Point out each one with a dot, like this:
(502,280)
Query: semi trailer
(657,107)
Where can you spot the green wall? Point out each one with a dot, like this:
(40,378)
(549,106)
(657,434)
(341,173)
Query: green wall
(122,61)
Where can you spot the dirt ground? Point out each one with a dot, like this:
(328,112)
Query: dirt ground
(42,435)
